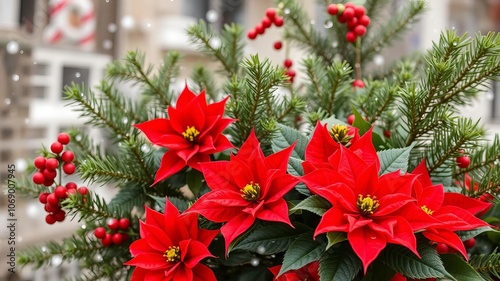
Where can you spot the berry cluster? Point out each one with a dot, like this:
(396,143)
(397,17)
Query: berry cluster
(116,235)
(289,71)
(270,19)
(52,201)
(47,166)
(442,248)
(353,16)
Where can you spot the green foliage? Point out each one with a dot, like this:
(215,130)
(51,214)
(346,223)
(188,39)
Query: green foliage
(459,268)
(314,204)
(302,251)
(487,265)
(394,159)
(339,264)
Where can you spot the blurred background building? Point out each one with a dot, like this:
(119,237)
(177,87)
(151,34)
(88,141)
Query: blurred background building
(47,44)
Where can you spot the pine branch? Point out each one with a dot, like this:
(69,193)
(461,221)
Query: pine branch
(90,207)
(204,80)
(124,107)
(26,187)
(487,265)
(484,156)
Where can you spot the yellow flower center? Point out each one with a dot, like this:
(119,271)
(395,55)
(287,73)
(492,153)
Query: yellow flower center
(251,191)
(427,210)
(367,205)
(339,134)
(173,254)
(191,133)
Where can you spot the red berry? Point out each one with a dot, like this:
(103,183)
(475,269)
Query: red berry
(39,162)
(71,191)
(51,208)
(49,174)
(69,168)
(50,219)
(387,134)
(107,240)
(38,178)
(278,21)
(332,9)
(341,19)
(463,161)
(61,192)
(271,13)
(358,83)
(100,232)
(442,248)
(288,63)
(52,199)
(350,37)
(60,215)
(113,224)
(43,197)
(352,23)
(290,73)
(260,28)
(52,164)
(359,11)
(266,22)
(124,223)
(470,243)
(348,13)
(125,236)
(48,182)
(83,190)
(364,20)
(278,45)
(360,30)
(56,147)
(71,185)
(63,138)
(117,238)
(252,34)
(68,156)
(350,119)
(350,5)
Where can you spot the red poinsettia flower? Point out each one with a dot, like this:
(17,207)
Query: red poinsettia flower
(455,211)
(247,187)
(171,247)
(372,210)
(326,141)
(192,133)
(308,272)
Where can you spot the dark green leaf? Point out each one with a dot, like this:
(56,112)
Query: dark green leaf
(394,159)
(286,136)
(360,122)
(467,234)
(314,204)
(340,265)
(302,251)
(334,238)
(459,268)
(194,179)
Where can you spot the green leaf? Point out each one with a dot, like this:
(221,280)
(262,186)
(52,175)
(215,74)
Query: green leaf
(467,234)
(180,204)
(194,180)
(394,159)
(333,121)
(334,238)
(459,268)
(407,263)
(270,240)
(314,204)
(340,265)
(360,122)
(285,137)
(302,251)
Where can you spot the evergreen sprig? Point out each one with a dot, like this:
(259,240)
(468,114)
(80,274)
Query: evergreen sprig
(487,265)
(204,80)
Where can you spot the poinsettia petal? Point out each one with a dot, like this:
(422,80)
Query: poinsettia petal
(391,203)
(421,171)
(447,237)
(367,245)
(357,221)
(206,236)
(203,273)
(154,218)
(218,175)
(457,218)
(321,146)
(250,144)
(279,186)
(156,237)
(192,252)
(321,178)
(206,144)
(170,273)
(471,205)
(188,153)
(139,274)
(235,227)
(222,143)
(149,261)
(183,273)
(195,161)
(403,233)
(332,220)
(348,164)
(279,160)
(275,211)
(176,120)
(241,172)
(173,141)
(217,108)
(341,195)
(417,217)
(176,230)
(394,182)
(214,211)
(366,182)
(170,164)
(185,98)
(432,197)
(154,129)
(141,246)
(365,149)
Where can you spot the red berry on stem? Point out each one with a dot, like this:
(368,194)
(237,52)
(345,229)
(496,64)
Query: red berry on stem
(68,156)
(52,164)
(252,34)
(39,162)
(69,168)
(350,37)
(107,241)
(442,248)
(364,20)
(350,119)
(271,13)
(117,238)
(38,178)
(348,13)
(48,182)
(463,161)
(124,223)
(83,190)
(61,192)
(469,243)
(71,185)
(50,219)
(387,134)
(358,83)
(290,73)
(56,147)
(352,23)
(278,21)
(278,45)
(43,197)
(60,215)
(332,9)
(341,19)
(113,224)
(359,11)
(63,138)
(350,5)
(360,30)
(51,208)
(49,174)
(288,63)
(260,28)
(100,232)
(266,22)
(71,191)
(52,199)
